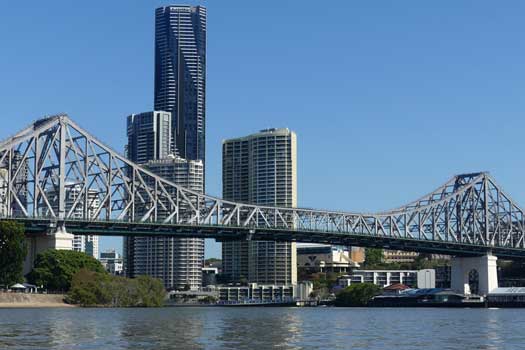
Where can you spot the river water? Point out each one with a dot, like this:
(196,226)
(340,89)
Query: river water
(262,328)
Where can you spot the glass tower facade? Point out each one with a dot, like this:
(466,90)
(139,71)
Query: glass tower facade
(149,136)
(177,155)
(180,75)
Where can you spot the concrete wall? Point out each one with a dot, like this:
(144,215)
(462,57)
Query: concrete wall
(487,271)
(35,245)
(426,278)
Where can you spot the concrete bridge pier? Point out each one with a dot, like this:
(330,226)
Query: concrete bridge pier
(475,275)
(60,240)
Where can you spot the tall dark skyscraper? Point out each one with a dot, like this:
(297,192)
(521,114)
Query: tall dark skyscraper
(180,75)
(171,140)
(149,136)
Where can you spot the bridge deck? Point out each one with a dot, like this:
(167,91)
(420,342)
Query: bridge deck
(221,233)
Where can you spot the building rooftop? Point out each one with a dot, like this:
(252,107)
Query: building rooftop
(320,250)
(396,286)
(508,290)
(173,158)
(264,132)
(395,271)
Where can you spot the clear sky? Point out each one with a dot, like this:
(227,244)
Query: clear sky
(388,98)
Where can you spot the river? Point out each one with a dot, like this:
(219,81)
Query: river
(262,328)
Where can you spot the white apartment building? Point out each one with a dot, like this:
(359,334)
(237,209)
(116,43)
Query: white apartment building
(177,262)
(261,169)
(383,278)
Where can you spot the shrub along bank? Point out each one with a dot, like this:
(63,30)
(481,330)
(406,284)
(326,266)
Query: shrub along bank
(89,288)
(358,294)
(54,269)
(13,250)
(86,282)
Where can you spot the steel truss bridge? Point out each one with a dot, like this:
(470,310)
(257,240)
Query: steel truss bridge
(55,175)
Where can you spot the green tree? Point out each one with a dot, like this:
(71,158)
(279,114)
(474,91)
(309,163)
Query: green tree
(89,288)
(323,279)
(421,261)
(243,281)
(212,261)
(151,292)
(54,269)
(208,300)
(358,294)
(373,257)
(13,251)
(123,292)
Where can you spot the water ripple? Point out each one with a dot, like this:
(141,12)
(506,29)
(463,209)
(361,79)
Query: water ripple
(261,328)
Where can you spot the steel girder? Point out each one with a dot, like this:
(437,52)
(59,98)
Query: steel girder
(54,170)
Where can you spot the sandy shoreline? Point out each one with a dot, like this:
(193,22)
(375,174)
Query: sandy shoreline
(34,305)
(23,300)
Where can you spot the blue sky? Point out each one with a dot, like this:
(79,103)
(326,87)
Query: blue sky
(388,98)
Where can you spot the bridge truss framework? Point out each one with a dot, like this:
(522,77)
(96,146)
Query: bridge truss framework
(44,164)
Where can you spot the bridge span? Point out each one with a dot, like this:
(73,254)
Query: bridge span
(54,174)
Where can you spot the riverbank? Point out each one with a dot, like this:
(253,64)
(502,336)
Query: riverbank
(23,300)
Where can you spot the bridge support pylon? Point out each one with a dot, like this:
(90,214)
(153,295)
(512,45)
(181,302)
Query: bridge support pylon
(60,240)
(474,275)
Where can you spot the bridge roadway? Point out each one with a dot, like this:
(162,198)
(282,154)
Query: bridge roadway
(54,175)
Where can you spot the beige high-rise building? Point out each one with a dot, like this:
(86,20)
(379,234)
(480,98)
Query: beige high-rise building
(177,262)
(261,169)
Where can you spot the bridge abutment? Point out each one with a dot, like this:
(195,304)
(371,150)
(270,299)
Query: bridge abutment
(474,275)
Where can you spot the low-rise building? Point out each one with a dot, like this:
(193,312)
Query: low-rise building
(427,297)
(259,292)
(303,290)
(383,278)
(395,289)
(401,256)
(398,256)
(507,297)
(112,262)
(266,293)
(324,258)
